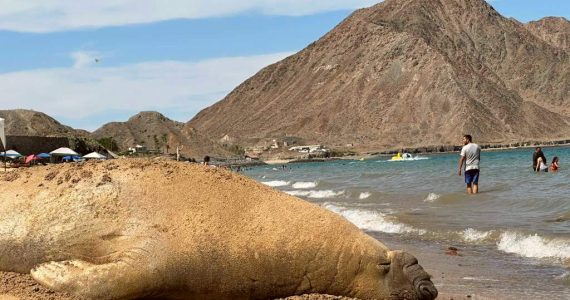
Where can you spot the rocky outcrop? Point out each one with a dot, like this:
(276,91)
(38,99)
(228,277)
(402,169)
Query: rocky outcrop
(157,132)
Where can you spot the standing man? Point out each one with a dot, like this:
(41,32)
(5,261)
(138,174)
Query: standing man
(470,155)
(537,153)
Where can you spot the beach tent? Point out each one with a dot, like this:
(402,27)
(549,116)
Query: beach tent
(63,151)
(11,154)
(71,158)
(31,158)
(112,154)
(94,155)
(43,155)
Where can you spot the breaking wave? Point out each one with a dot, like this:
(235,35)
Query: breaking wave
(372,220)
(304,185)
(316,194)
(472,235)
(364,195)
(276,183)
(534,246)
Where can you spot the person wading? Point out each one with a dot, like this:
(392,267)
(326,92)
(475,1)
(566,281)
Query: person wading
(470,155)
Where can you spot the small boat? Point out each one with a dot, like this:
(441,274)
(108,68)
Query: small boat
(399,156)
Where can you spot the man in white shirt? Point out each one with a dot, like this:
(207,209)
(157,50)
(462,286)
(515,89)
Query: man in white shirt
(470,155)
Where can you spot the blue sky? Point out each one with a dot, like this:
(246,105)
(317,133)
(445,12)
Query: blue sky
(91,62)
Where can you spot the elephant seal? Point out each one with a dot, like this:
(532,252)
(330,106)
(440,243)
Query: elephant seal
(135,228)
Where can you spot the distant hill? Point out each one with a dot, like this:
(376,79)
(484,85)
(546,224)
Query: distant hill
(158,132)
(24,122)
(409,73)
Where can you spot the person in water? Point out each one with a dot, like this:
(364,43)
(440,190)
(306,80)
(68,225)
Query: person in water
(471,156)
(554,164)
(535,156)
(541,165)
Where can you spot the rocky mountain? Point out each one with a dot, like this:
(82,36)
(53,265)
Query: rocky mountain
(24,122)
(157,132)
(409,73)
(29,123)
(555,31)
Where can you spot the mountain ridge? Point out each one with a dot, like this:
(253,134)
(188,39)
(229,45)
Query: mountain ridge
(406,73)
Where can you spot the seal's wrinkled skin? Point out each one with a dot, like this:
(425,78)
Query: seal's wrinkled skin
(139,228)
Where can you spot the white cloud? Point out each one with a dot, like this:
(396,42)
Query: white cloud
(82,59)
(59,15)
(82,93)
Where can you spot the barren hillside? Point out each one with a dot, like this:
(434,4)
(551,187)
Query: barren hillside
(157,132)
(407,73)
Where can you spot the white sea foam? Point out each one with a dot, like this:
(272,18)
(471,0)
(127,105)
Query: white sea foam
(364,195)
(472,235)
(563,276)
(371,220)
(479,279)
(431,197)
(534,246)
(304,185)
(316,194)
(276,183)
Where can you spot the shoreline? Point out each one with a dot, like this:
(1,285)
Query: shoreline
(373,154)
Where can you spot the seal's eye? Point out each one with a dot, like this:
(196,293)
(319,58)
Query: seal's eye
(384,267)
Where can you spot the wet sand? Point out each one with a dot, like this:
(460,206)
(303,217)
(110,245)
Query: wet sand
(469,274)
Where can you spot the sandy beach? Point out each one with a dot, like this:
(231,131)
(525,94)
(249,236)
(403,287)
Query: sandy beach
(15,286)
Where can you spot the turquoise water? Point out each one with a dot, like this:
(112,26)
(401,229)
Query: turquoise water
(519,214)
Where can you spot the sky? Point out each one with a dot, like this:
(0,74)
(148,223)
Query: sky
(88,62)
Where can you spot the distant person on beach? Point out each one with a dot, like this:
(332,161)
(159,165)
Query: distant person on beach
(206,160)
(554,164)
(470,155)
(535,156)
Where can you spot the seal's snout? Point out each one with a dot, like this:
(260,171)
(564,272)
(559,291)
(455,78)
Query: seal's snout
(414,274)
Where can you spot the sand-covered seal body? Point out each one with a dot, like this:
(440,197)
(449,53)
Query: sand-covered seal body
(140,228)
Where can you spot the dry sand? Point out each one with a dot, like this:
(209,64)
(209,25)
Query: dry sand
(22,287)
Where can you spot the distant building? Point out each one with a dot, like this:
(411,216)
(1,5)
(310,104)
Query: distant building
(138,149)
(274,145)
(309,149)
(227,140)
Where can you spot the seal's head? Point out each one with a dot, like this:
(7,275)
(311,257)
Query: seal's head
(406,279)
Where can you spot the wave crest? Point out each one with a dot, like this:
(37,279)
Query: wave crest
(372,220)
(317,194)
(276,183)
(304,185)
(534,246)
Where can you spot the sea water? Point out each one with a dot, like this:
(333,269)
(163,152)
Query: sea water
(514,236)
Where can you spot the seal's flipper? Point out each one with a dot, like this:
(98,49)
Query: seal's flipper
(116,280)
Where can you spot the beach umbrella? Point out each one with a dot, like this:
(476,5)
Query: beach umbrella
(63,151)
(31,158)
(11,153)
(43,155)
(95,155)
